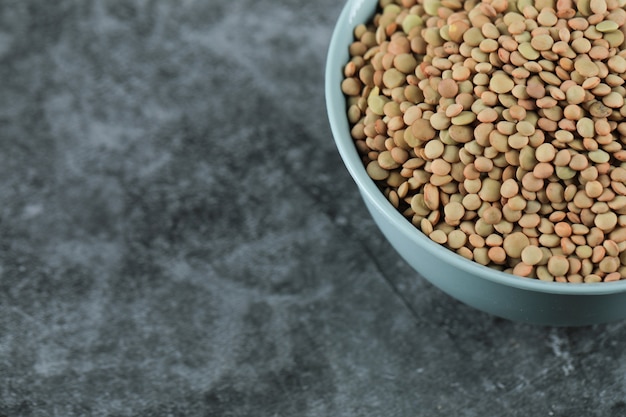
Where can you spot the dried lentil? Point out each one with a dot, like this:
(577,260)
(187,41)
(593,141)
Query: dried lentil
(496,129)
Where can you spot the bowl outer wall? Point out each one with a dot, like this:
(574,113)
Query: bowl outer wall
(481,287)
(496,298)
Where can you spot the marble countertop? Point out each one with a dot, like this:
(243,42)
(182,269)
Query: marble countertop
(179,237)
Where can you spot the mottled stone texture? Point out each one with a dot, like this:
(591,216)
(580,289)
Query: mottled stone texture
(178,237)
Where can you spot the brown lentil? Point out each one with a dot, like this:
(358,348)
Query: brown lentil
(496,129)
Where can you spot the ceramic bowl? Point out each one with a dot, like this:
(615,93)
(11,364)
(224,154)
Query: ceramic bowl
(498,293)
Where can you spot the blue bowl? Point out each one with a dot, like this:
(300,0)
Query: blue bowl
(504,295)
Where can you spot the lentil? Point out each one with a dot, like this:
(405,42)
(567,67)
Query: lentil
(558,265)
(532,255)
(496,129)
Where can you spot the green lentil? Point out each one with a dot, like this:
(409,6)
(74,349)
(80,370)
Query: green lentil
(528,52)
(375,171)
(410,22)
(456,239)
(515,243)
(613,100)
(606,221)
(558,266)
(585,127)
(525,128)
(501,83)
(607,26)
(464,118)
(532,255)
(575,94)
(439,236)
(542,43)
(599,156)
(393,78)
(586,67)
(490,190)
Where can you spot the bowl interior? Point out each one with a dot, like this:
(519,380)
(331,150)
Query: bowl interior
(360,11)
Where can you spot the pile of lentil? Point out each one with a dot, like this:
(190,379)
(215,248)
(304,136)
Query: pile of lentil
(496,128)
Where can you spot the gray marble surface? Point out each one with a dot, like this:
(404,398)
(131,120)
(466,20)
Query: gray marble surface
(178,237)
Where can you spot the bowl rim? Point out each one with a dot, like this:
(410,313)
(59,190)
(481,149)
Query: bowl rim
(336,58)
